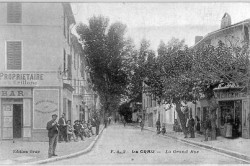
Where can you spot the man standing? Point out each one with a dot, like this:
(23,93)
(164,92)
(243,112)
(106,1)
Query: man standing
(52,134)
(207,127)
(62,128)
(158,126)
(106,121)
(191,124)
(97,122)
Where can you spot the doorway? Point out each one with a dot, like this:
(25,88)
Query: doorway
(17,120)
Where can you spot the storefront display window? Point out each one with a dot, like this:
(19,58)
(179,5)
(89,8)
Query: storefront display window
(226,108)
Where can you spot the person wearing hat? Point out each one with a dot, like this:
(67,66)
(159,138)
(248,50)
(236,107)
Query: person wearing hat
(62,129)
(52,128)
(77,130)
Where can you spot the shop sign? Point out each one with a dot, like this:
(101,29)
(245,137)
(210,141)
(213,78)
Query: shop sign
(15,93)
(230,95)
(30,78)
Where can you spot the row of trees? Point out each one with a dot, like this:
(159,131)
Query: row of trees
(175,73)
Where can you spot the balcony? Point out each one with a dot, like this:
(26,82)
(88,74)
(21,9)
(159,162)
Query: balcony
(80,86)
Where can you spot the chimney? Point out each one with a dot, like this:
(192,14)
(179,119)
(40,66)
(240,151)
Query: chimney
(225,21)
(197,39)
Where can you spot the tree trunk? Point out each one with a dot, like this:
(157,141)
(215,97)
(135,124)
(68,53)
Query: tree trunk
(181,116)
(213,107)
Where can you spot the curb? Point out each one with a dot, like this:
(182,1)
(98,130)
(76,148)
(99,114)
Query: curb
(228,152)
(88,149)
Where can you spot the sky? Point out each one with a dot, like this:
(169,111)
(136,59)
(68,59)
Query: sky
(161,21)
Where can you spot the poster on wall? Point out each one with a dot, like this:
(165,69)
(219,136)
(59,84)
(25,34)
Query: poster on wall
(46,103)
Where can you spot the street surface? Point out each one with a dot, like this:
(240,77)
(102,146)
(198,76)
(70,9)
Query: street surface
(118,145)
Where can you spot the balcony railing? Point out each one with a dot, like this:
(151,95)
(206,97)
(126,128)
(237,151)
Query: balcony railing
(79,85)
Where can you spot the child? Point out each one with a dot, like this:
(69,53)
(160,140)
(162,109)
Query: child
(163,130)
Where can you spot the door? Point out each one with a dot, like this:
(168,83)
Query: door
(245,119)
(7,121)
(17,120)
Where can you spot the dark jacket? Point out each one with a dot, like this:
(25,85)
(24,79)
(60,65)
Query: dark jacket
(191,122)
(158,123)
(52,130)
(60,121)
(207,124)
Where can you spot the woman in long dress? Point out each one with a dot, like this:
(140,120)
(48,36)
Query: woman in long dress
(229,126)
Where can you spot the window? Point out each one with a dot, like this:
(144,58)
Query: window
(14,55)
(69,66)
(14,12)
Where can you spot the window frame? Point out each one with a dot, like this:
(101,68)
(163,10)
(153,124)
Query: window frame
(20,14)
(6,58)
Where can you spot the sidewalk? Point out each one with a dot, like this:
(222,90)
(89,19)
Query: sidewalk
(38,151)
(234,147)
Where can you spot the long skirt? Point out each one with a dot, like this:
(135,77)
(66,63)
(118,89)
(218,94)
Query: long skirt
(229,130)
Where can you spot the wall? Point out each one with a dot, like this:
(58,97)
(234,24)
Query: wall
(42,37)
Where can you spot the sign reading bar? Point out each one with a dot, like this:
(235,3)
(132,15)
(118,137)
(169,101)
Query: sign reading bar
(15,93)
(24,78)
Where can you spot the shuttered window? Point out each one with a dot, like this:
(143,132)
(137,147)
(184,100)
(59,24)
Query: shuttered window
(14,12)
(69,66)
(14,55)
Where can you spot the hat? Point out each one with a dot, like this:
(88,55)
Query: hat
(76,121)
(54,115)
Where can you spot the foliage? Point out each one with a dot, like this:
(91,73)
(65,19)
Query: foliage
(104,47)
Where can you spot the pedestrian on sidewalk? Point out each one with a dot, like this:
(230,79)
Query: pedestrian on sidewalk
(142,124)
(70,131)
(186,130)
(207,127)
(198,124)
(109,120)
(77,130)
(97,125)
(52,128)
(124,122)
(90,128)
(191,124)
(163,130)
(106,121)
(158,126)
(62,129)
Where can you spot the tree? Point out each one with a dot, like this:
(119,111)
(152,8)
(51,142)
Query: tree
(219,65)
(104,47)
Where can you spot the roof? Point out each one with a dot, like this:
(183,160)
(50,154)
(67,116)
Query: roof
(222,29)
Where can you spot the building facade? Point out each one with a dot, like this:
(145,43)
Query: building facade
(40,69)
(231,99)
(153,110)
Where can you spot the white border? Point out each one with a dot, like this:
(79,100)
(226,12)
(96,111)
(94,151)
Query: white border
(33,126)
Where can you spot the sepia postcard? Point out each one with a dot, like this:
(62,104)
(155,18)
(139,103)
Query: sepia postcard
(124,82)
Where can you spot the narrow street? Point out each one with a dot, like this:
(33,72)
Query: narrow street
(118,145)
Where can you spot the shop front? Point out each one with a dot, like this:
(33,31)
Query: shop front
(27,101)
(232,113)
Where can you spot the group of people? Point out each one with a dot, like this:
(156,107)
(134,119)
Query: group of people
(67,131)
(159,128)
(193,125)
(80,129)
(107,120)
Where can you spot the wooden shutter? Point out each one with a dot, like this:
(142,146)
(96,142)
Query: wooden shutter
(14,55)
(69,66)
(14,12)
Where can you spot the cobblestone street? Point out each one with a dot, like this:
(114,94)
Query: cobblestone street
(119,145)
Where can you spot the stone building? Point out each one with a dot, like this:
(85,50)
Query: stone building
(40,69)
(231,99)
